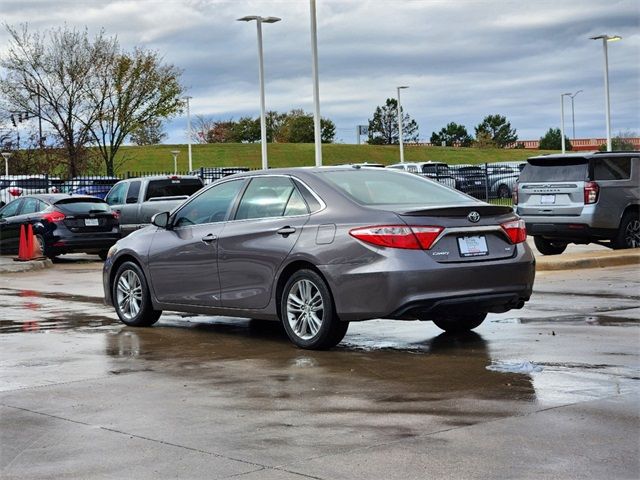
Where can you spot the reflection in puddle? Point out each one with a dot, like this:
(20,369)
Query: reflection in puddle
(597,320)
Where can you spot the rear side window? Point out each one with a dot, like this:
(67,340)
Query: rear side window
(32,205)
(133,192)
(555,170)
(269,197)
(169,187)
(84,205)
(612,168)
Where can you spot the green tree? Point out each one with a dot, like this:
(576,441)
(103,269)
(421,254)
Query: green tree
(552,140)
(246,130)
(499,129)
(298,127)
(383,127)
(150,133)
(452,134)
(222,131)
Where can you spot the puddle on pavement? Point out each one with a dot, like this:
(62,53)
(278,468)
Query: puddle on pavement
(595,320)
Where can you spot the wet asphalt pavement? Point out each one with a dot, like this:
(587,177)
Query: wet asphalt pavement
(550,391)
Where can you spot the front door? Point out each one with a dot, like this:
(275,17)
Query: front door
(183,259)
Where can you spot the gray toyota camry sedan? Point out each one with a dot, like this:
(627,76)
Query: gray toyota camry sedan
(317,248)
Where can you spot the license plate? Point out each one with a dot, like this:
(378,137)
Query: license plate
(91,222)
(473,246)
(547,199)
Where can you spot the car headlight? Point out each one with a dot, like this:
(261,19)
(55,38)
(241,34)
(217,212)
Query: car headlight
(112,251)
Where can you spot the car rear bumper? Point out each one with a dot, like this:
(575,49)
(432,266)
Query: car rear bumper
(85,243)
(573,231)
(419,288)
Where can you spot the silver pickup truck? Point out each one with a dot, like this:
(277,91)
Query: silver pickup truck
(136,200)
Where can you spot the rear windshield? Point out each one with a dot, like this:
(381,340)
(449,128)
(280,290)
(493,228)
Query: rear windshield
(173,187)
(436,169)
(385,187)
(555,170)
(83,205)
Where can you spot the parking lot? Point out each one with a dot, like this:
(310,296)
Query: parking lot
(550,391)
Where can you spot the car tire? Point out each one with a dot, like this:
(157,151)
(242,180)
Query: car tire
(548,247)
(308,312)
(504,191)
(131,297)
(43,246)
(460,323)
(628,235)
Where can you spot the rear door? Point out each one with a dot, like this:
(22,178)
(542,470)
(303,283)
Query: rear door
(267,224)
(618,188)
(10,226)
(552,186)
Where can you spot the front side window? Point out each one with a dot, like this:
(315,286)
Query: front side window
(210,206)
(270,197)
(117,193)
(10,210)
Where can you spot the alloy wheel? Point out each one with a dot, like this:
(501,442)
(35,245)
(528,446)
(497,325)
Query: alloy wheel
(129,294)
(305,309)
(632,234)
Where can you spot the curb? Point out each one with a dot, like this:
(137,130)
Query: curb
(9,266)
(577,261)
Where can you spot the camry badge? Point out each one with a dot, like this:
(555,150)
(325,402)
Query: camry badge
(473,217)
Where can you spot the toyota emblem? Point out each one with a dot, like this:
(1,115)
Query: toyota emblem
(473,217)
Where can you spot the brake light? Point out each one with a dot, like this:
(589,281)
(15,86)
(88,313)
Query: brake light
(115,215)
(591,190)
(514,195)
(53,217)
(15,192)
(516,230)
(398,236)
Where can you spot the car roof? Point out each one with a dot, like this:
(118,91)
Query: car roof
(587,155)
(162,177)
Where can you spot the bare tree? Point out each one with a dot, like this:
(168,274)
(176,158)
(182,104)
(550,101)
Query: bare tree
(200,129)
(53,68)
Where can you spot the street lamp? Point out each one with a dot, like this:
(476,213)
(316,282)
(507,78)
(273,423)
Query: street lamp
(400,123)
(175,161)
(573,115)
(189,132)
(607,111)
(7,156)
(317,133)
(562,119)
(263,126)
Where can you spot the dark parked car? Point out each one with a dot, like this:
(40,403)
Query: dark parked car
(61,223)
(318,248)
(94,186)
(471,180)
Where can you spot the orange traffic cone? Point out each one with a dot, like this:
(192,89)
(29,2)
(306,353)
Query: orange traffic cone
(22,248)
(36,247)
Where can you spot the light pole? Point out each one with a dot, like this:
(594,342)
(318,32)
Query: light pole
(263,125)
(562,119)
(316,88)
(7,156)
(607,109)
(573,114)
(400,123)
(189,132)
(175,161)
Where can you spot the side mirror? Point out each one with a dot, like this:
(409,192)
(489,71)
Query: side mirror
(160,219)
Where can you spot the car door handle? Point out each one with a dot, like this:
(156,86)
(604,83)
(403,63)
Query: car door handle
(285,231)
(209,238)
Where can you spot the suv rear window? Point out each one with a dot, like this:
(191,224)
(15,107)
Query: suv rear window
(173,187)
(555,170)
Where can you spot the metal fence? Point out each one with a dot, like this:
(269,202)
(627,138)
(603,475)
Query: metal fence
(493,183)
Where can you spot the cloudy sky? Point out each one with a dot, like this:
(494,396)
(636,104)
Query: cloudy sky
(462,59)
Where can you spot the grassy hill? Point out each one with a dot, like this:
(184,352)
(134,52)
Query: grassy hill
(159,158)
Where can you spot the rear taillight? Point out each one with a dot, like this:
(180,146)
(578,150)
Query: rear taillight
(116,215)
(15,192)
(53,217)
(514,195)
(515,230)
(591,190)
(398,236)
